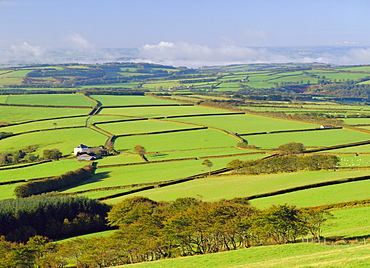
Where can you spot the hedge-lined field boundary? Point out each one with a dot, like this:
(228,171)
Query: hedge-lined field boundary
(68,179)
(167,183)
(175,160)
(353,144)
(306,187)
(25,165)
(42,130)
(144,105)
(344,205)
(288,131)
(44,106)
(40,120)
(161,132)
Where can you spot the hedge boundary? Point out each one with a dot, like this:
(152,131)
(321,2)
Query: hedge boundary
(306,187)
(288,131)
(40,120)
(68,179)
(26,165)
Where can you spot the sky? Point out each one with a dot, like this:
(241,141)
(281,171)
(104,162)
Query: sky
(198,31)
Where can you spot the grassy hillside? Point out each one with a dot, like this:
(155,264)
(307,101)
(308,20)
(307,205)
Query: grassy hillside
(291,255)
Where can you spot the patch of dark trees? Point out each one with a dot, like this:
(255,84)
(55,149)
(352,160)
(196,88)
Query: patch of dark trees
(51,216)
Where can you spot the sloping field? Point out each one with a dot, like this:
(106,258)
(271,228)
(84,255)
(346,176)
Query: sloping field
(161,111)
(48,124)
(108,100)
(147,173)
(246,123)
(197,139)
(278,256)
(200,153)
(228,187)
(51,99)
(310,138)
(63,139)
(348,223)
(6,191)
(14,114)
(143,126)
(319,196)
(40,171)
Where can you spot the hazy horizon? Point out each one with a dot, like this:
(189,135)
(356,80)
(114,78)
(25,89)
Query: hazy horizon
(191,33)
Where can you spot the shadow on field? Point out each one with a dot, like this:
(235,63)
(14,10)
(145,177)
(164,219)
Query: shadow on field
(96,178)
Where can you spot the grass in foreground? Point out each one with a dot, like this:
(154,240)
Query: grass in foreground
(289,255)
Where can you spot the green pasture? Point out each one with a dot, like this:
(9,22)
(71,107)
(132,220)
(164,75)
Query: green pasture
(200,153)
(348,223)
(96,234)
(50,99)
(63,139)
(143,126)
(357,149)
(20,73)
(196,139)
(113,85)
(48,169)
(338,75)
(277,256)
(356,121)
(146,173)
(160,111)
(164,84)
(105,193)
(122,158)
(3,98)
(108,118)
(13,114)
(354,69)
(7,190)
(216,188)
(353,160)
(325,195)
(246,123)
(110,100)
(319,138)
(48,124)
(124,74)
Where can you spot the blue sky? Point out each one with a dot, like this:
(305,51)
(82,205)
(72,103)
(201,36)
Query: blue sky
(204,24)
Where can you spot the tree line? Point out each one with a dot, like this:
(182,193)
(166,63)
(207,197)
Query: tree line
(150,230)
(287,163)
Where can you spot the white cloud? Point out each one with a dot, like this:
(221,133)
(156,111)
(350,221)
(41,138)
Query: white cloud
(199,55)
(76,41)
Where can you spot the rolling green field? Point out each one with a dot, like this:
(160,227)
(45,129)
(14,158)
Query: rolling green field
(141,127)
(107,100)
(210,143)
(348,223)
(309,138)
(48,169)
(196,139)
(289,255)
(63,139)
(319,196)
(50,99)
(227,187)
(161,111)
(48,124)
(247,123)
(11,114)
